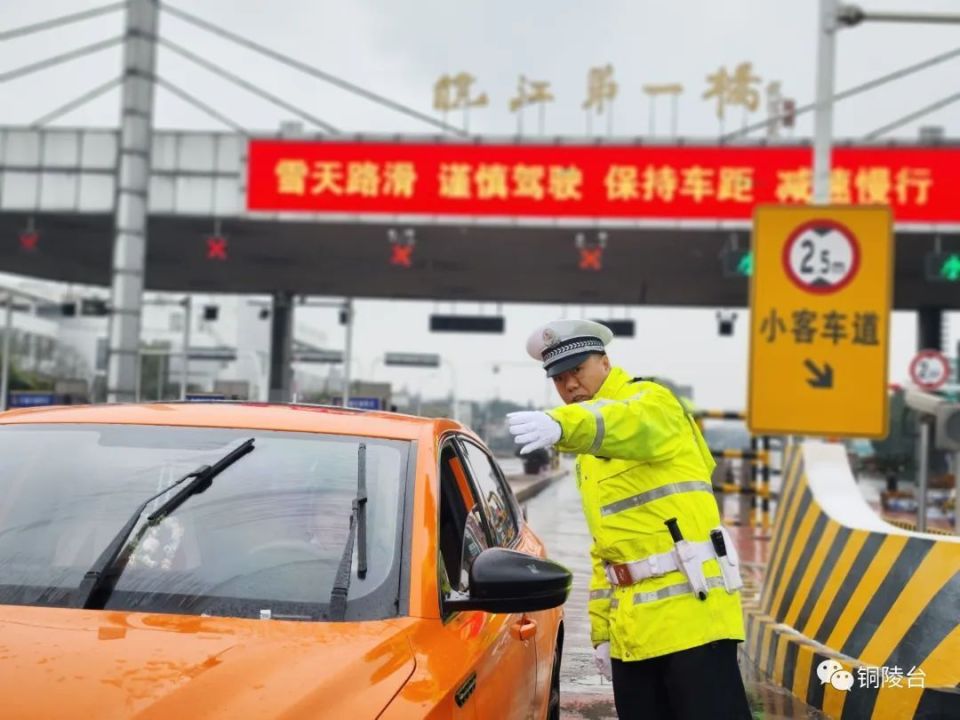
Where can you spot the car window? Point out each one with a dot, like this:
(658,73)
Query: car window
(463,535)
(264,540)
(496,499)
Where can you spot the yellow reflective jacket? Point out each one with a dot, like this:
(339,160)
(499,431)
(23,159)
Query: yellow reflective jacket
(642,460)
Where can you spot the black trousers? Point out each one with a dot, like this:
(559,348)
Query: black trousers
(702,682)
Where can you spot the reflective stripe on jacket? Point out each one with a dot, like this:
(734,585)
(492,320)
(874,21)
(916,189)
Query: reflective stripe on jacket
(641,460)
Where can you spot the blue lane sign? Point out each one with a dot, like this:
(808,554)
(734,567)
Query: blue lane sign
(21,399)
(360,403)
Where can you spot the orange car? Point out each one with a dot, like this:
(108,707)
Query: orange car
(267,561)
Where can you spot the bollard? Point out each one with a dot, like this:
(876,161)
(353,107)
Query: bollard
(754,482)
(765,483)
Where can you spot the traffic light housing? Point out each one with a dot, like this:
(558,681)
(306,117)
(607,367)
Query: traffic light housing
(737,263)
(943,267)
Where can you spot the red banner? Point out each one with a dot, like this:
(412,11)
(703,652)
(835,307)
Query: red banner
(603,181)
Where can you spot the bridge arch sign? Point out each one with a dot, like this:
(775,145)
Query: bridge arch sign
(820,300)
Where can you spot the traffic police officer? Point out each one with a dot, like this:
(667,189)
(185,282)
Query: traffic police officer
(665,614)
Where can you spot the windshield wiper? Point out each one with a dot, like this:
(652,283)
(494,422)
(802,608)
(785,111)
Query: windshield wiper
(358,527)
(99,580)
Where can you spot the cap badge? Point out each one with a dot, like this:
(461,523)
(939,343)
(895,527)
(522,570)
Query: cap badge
(549,337)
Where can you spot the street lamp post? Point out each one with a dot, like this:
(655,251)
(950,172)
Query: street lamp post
(5,372)
(373,366)
(346,308)
(455,412)
(852,15)
(823,115)
(832,17)
(347,351)
(185,351)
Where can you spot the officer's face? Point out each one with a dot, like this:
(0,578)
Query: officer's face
(582,382)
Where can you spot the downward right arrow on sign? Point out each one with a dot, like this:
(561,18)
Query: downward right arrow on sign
(821,378)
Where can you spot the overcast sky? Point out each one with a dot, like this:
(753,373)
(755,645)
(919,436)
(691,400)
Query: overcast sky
(400,49)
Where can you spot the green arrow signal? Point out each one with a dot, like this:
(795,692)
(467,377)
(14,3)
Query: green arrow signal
(745,266)
(950,269)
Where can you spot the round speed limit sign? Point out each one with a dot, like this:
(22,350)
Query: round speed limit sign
(930,369)
(821,257)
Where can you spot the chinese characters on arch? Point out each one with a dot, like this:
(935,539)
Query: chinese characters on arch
(739,87)
(590,181)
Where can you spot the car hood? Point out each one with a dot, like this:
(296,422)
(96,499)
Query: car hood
(111,665)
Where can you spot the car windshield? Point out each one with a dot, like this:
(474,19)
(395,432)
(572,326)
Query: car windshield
(263,541)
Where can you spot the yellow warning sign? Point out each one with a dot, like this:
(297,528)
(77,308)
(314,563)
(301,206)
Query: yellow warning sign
(820,320)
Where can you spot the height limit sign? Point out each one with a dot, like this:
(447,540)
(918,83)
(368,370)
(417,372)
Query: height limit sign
(820,316)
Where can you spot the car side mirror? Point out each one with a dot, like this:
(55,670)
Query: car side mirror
(506,581)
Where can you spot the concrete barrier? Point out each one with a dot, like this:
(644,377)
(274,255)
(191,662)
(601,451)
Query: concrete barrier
(843,585)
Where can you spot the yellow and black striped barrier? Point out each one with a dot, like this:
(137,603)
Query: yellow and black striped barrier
(758,489)
(760,472)
(761,456)
(765,472)
(841,585)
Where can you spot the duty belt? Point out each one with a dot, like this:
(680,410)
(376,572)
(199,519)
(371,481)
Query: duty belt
(687,558)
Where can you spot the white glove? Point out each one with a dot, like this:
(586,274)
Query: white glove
(601,658)
(533,430)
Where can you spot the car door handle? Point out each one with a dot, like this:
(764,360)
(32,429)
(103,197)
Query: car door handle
(524,629)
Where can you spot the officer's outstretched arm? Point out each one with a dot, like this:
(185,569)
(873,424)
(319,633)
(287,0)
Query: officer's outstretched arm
(599,604)
(649,426)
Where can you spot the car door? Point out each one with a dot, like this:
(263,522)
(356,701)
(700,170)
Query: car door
(498,649)
(501,515)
